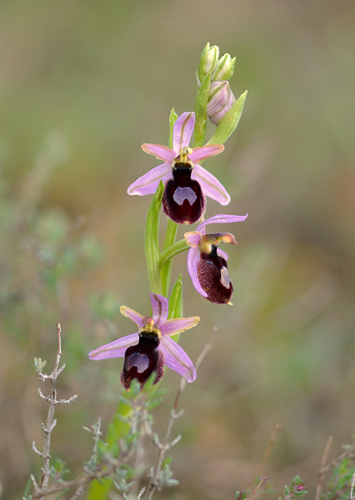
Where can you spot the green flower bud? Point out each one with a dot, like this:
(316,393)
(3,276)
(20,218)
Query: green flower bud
(224,68)
(208,62)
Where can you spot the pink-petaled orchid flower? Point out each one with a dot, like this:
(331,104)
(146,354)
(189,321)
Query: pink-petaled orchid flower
(151,347)
(206,264)
(186,182)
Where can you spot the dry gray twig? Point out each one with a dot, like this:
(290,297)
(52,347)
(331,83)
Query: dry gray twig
(40,489)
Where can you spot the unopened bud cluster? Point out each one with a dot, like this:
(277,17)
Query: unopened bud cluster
(221,69)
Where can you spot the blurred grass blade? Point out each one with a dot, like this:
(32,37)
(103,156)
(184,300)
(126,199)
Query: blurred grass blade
(28,488)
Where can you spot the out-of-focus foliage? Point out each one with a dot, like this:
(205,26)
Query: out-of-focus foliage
(342,475)
(82,86)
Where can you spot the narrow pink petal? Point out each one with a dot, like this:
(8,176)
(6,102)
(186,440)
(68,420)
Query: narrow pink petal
(133,315)
(210,185)
(183,128)
(193,258)
(192,238)
(177,359)
(115,349)
(160,308)
(161,152)
(221,219)
(178,325)
(148,183)
(203,152)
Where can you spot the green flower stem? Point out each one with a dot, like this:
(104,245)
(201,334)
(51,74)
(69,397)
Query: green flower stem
(170,236)
(169,253)
(117,429)
(175,304)
(152,241)
(201,111)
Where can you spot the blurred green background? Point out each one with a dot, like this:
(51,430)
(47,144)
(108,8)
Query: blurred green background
(82,86)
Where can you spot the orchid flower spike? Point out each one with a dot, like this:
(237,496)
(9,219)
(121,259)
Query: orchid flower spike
(186,182)
(151,347)
(206,264)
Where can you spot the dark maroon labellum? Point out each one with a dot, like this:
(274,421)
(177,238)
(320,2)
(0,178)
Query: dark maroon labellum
(183,199)
(142,359)
(213,276)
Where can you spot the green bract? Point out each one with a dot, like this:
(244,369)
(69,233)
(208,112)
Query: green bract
(229,122)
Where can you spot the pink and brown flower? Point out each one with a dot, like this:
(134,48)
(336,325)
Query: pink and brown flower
(187,183)
(149,349)
(207,264)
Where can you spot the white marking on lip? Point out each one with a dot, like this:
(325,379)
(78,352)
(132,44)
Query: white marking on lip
(184,193)
(139,360)
(225,279)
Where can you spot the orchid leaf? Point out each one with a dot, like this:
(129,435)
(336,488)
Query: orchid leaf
(152,241)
